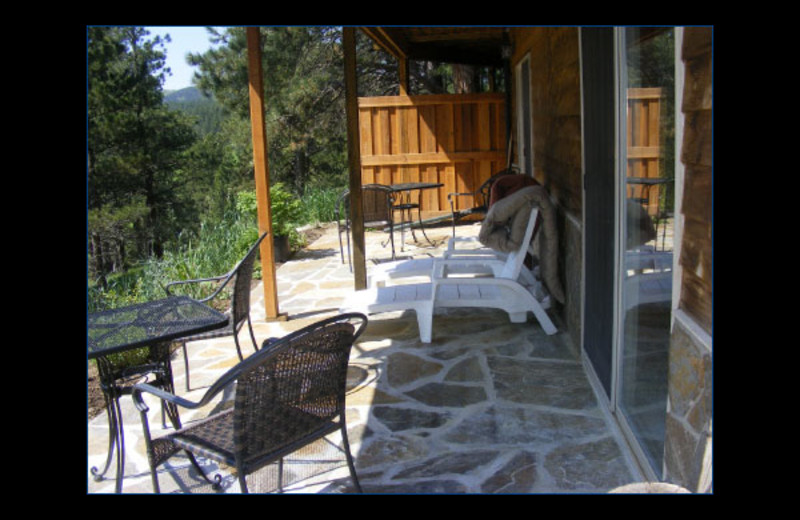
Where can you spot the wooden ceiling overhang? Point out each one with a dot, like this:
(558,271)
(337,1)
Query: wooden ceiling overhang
(462,45)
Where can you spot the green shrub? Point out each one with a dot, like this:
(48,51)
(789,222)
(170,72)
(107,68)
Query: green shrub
(287,211)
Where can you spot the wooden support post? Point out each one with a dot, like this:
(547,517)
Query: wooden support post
(259,133)
(354,157)
(402,70)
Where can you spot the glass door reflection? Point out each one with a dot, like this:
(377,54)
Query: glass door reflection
(648,224)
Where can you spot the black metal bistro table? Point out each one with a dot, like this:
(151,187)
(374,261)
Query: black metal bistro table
(152,324)
(404,189)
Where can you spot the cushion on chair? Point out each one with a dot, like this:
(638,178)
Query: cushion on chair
(504,227)
(507,185)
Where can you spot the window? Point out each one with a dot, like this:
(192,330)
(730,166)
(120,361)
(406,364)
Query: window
(647,94)
(524,117)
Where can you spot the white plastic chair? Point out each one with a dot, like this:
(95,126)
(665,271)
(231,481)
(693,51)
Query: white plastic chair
(483,282)
(476,259)
(649,277)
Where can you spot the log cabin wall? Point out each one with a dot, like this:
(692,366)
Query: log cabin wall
(696,156)
(557,157)
(688,444)
(458,140)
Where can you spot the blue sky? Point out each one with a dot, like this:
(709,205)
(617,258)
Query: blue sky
(184,40)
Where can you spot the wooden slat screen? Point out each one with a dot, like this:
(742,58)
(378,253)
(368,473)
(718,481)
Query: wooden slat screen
(458,140)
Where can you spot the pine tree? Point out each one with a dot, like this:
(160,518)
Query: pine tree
(304,93)
(134,147)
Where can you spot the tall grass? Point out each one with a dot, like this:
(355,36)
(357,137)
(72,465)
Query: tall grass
(212,251)
(320,204)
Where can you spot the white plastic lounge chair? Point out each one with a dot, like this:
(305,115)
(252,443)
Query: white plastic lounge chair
(476,261)
(649,278)
(472,249)
(379,275)
(494,283)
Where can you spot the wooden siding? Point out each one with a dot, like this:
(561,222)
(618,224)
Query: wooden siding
(556,108)
(555,96)
(458,140)
(696,155)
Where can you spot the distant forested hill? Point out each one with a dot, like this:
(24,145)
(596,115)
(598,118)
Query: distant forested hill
(183,95)
(207,111)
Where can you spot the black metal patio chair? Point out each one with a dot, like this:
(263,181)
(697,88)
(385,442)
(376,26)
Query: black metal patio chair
(288,394)
(378,204)
(241,276)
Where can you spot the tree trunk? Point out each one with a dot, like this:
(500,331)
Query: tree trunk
(300,168)
(97,263)
(463,79)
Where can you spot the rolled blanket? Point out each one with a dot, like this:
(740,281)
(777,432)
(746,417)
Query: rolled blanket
(503,230)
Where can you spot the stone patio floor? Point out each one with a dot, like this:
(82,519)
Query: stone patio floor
(488,407)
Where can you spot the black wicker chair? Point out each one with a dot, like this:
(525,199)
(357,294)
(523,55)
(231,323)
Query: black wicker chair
(239,312)
(288,394)
(378,204)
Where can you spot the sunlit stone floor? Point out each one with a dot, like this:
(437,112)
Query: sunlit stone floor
(487,407)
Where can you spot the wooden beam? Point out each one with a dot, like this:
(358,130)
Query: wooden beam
(354,157)
(429,99)
(393,44)
(259,134)
(464,45)
(416,159)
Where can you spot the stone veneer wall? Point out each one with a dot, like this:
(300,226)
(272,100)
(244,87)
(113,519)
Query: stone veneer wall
(687,451)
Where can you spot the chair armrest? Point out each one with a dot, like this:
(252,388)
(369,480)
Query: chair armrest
(464,263)
(161,394)
(452,240)
(452,243)
(473,254)
(200,280)
(462,194)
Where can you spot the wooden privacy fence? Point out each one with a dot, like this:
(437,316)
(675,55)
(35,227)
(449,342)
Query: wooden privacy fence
(458,140)
(644,143)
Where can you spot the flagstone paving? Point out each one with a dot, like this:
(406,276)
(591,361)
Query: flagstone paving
(488,406)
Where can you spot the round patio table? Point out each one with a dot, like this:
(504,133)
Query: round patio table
(405,206)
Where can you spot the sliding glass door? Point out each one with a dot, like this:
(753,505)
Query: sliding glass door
(647,114)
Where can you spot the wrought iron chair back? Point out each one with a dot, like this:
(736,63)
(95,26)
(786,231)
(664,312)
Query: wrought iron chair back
(240,277)
(377,201)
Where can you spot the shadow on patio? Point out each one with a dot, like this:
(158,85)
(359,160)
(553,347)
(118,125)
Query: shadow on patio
(488,407)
